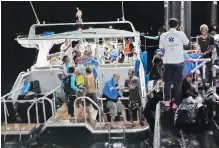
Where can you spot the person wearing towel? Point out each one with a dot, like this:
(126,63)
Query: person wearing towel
(110,92)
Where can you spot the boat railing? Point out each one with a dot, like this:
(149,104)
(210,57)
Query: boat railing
(215,68)
(156,141)
(84,102)
(34,101)
(18,84)
(199,63)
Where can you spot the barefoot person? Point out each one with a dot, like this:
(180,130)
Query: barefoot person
(133,85)
(110,92)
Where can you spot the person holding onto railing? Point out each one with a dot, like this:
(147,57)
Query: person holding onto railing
(206,43)
(172,43)
(110,92)
(71,90)
(132,84)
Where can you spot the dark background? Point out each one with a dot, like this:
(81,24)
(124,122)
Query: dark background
(17,17)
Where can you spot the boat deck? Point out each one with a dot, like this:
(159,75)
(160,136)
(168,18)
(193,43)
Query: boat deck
(14,129)
(62,119)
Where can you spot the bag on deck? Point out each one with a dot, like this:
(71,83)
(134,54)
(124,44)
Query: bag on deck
(35,86)
(191,112)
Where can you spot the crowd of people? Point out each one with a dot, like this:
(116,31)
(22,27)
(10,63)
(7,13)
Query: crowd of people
(170,56)
(80,75)
(82,72)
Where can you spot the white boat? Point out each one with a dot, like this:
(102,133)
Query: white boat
(46,72)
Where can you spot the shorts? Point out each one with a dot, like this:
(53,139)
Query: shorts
(134,105)
(93,97)
(115,107)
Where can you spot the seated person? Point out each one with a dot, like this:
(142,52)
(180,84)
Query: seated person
(133,85)
(76,52)
(128,50)
(121,55)
(106,54)
(110,92)
(113,54)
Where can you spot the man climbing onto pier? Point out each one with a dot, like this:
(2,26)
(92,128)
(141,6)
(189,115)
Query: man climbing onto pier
(172,43)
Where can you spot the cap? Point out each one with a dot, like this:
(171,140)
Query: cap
(173,20)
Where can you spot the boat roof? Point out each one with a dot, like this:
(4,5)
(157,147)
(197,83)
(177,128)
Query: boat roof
(32,42)
(86,33)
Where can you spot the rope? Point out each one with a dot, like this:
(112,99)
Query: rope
(34,13)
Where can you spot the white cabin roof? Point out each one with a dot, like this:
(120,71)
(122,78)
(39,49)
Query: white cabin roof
(31,42)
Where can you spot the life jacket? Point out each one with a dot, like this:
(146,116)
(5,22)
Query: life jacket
(79,80)
(127,48)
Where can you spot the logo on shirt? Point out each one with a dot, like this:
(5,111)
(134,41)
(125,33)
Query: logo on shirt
(171,39)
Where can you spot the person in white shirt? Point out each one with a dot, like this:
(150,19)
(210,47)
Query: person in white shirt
(172,43)
(66,49)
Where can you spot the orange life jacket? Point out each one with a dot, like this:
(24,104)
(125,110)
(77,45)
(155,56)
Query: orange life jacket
(127,48)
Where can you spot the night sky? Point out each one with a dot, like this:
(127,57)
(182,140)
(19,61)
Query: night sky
(17,17)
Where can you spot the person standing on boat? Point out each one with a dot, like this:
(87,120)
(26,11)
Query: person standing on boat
(206,43)
(88,61)
(172,43)
(79,15)
(66,65)
(66,49)
(128,50)
(71,90)
(132,83)
(110,92)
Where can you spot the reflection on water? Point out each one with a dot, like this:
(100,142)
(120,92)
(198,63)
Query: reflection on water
(143,144)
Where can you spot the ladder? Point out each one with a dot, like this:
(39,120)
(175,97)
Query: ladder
(117,137)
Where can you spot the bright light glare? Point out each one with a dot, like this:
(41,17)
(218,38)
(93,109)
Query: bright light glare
(110,27)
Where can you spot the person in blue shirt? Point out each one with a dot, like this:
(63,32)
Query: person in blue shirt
(88,61)
(113,54)
(110,92)
(71,91)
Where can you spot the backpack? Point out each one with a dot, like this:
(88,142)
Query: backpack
(66,82)
(35,86)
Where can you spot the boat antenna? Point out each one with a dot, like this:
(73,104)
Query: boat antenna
(38,22)
(123,14)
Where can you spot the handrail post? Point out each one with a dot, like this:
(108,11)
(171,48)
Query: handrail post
(37,115)
(85,115)
(44,111)
(5,113)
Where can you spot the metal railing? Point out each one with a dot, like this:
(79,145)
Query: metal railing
(215,68)
(26,101)
(35,101)
(156,142)
(16,81)
(89,99)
